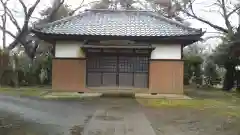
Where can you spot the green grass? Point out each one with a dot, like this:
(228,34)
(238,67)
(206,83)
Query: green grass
(32,92)
(45,93)
(223,103)
(219,107)
(194,103)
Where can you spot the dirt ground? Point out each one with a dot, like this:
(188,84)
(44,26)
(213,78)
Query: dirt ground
(11,124)
(30,116)
(210,112)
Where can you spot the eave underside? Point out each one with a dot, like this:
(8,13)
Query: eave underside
(183,40)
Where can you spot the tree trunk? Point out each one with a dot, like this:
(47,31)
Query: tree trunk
(15,71)
(1,73)
(238,80)
(15,79)
(229,78)
(198,77)
(4,21)
(4,35)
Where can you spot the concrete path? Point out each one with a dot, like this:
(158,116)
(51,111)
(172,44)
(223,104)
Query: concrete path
(114,122)
(104,116)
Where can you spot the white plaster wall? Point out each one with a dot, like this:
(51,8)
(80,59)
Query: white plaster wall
(68,50)
(166,52)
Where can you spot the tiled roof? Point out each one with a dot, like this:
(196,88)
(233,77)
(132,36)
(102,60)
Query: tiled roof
(117,23)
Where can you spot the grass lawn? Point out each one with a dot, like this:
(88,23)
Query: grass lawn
(46,93)
(225,103)
(28,91)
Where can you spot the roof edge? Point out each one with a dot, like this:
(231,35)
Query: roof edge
(173,21)
(36,26)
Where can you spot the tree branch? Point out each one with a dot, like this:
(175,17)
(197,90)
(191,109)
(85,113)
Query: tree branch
(4,22)
(13,19)
(24,7)
(71,13)
(8,32)
(56,9)
(227,23)
(34,17)
(212,37)
(233,11)
(24,30)
(207,22)
(31,9)
(191,7)
(193,15)
(79,7)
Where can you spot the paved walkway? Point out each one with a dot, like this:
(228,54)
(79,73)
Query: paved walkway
(104,116)
(114,122)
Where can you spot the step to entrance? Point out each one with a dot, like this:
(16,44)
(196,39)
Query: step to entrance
(118,94)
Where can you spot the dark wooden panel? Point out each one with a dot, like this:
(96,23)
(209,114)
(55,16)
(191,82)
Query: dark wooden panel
(126,79)
(126,64)
(94,79)
(108,64)
(118,69)
(141,64)
(109,79)
(102,64)
(141,80)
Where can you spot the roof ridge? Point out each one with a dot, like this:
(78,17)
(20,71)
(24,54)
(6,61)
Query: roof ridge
(150,13)
(118,10)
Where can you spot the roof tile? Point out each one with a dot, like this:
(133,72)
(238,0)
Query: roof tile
(117,23)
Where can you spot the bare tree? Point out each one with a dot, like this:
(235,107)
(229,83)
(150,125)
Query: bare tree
(224,8)
(51,13)
(4,21)
(21,31)
(21,37)
(231,33)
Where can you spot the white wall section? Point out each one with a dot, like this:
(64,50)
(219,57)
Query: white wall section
(166,52)
(68,50)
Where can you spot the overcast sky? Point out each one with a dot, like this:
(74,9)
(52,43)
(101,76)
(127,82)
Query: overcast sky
(203,8)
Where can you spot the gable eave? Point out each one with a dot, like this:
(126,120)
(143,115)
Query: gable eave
(183,39)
